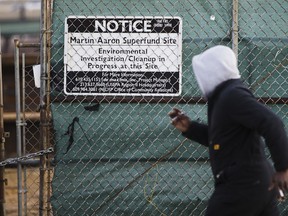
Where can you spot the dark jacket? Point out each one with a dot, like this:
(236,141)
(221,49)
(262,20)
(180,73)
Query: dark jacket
(236,123)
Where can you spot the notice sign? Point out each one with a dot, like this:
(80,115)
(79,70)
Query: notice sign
(139,56)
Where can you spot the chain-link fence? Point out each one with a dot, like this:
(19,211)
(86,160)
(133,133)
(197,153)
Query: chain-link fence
(112,70)
(118,67)
(28,183)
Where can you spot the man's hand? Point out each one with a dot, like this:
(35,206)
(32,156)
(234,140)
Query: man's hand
(179,120)
(280,181)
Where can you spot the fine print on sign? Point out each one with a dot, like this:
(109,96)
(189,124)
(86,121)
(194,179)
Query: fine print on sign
(135,56)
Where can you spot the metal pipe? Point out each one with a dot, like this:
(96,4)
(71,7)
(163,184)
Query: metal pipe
(49,157)
(235,27)
(178,100)
(31,116)
(24,133)
(28,45)
(43,138)
(18,124)
(2,144)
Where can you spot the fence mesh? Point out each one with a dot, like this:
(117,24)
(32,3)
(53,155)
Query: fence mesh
(125,158)
(113,80)
(30,172)
(26,180)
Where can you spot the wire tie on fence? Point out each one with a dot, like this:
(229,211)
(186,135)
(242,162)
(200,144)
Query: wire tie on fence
(277,53)
(21,123)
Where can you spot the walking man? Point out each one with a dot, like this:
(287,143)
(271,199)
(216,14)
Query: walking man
(246,184)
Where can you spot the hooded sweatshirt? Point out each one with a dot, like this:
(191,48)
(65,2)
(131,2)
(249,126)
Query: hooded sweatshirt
(236,120)
(213,67)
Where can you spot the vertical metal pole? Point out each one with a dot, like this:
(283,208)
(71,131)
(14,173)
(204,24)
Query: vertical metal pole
(235,27)
(43,124)
(49,169)
(24,133)
(2,144)
(18,124)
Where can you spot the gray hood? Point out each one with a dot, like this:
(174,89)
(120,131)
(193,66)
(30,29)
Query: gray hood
(214,66)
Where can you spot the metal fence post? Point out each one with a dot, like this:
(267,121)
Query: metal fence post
(48,69)
(21,129)
(18,124)
(24,133)
(43,118)
(235,28)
